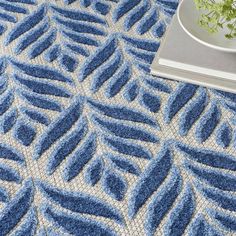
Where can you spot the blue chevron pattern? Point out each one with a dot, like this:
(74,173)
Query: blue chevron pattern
(91,143)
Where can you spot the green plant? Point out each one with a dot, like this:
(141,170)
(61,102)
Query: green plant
(218,14)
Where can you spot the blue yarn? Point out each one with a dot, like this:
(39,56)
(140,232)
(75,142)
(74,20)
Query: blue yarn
(178,99)
(25,133)
(102,8)
(42,88)
(53,53)
(77,225)
(81,39)
(124,164)
(162,202)
(114,185)
(28,23)
(149,181)
(8,153)
(69,63)
(123,113)
(42,44)
(66,146)
(182,213)
(131,91)
(79,15)
(94,171)
(31,37)
(16,208)
(119,80)
(224,135)
(36,116)
(9,174)
(147,22)
(9,120)
(151,102)
(60,126)
(128,148)
(80,158)
(124,7)
(208,123)
(80,202)
(125,131)
(136,14)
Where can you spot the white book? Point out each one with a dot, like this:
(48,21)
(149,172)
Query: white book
(181,57)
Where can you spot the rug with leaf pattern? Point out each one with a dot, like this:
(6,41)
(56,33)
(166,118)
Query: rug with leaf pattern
(91,143)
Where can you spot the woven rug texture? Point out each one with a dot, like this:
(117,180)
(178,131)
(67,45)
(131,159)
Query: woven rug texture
(91,144)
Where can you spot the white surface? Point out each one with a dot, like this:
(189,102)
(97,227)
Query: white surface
(177,46)
(188,17)
(180,51)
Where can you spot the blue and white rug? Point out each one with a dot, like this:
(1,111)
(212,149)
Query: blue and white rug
(91,143)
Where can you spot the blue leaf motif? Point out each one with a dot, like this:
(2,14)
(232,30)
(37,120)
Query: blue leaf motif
(80,27)
(9,174)
(114,185)
(148,21)
(107,71)
(32,36)
(42,44)
(227,221)
(223,199)
(123,113)
(119,80)
(66,146)
(192,112)
(201,227)
(131,90)
(124,7)
(151,102)
(76,225)
(79,15)
(224,135)
(36,116)
(136,14)
(16,208)
(208,157)
(80,158)
(125,131)
(159,29)
(28,23)
(41,72)
(53,53)
(9,153)
(60,127)
(102,8)
(94,171)
(128,148)
(181,215)
(162,202)
(158,84)
(80,202)
(147,45)
(149,181)
(28,227)
(25,133)
(40,101)
(4,196)
(178,99)
(9,120)
(5,102)
(208,123)
(124,164)
(100,57)
(214,177)
(81,39)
